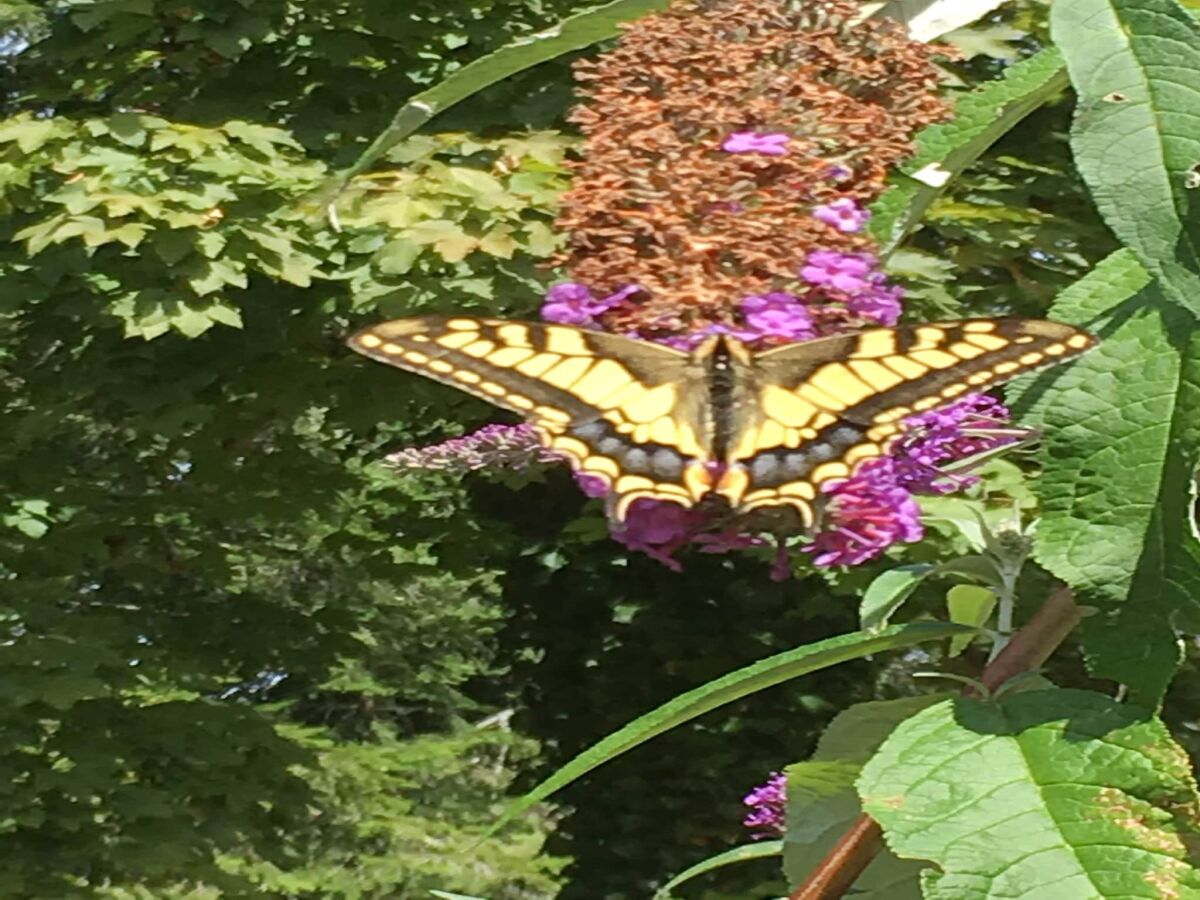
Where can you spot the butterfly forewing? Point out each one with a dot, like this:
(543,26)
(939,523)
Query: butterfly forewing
(630,413)
(810,412)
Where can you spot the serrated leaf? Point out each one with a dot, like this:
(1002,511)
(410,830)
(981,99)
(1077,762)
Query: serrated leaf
(30,134)
(127,128)
(447,238)
(944,150)
(741,683)
(1121,440)
(1054,793)
(224,314)
(1133,65)
(499,242)
(822,801)
(211,276)
(191,322)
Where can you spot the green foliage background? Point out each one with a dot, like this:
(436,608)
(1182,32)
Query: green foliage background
(244,659)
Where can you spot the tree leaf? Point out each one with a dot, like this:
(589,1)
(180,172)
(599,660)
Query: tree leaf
(944,150)
(745,681)
(1133,65)
(573,33)
(761,850)
(1055,793)
(1121,440)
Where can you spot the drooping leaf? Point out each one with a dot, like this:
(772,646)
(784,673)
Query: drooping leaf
(1055,793)
(944,150)
(761,850)
(751,679)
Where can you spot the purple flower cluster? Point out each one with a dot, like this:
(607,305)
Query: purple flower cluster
(777,315)
(660,529)
(874,508)
(772,144)
(864,515)
(856,278)
(768,808)
(975,424)
(843,214)
(571,303)
(492,446)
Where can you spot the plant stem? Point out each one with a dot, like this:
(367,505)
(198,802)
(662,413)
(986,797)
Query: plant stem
(1027,651)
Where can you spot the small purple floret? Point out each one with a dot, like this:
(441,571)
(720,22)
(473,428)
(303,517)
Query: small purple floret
(843,214)
(846,272)
(492,446)
(777,315)
(772,144)
(768,808)
(658,529)
(571,303)
(879,302)
(965,428)
(865,514)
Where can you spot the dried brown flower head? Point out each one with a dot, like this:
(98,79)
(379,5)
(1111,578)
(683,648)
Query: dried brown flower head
(658,203)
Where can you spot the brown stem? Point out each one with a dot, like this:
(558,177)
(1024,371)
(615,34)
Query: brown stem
(1029,648)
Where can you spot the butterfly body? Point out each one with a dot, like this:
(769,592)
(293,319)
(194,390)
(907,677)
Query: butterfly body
(755,430)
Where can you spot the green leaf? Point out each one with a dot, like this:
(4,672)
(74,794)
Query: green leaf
(741,683)
(822,802)
(968,604)
(1133,64)
(127,128)
(31,134)
(224,314)
(1054,793)
(447,238)
(209,276)
(1121,441)
(944,150)
(573,33)
(761,850)
(887,593)
(31,518)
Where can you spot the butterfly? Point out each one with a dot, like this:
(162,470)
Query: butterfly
(757,429)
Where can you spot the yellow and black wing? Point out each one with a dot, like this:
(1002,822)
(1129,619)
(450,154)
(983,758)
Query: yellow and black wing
(634,414)
(807,413)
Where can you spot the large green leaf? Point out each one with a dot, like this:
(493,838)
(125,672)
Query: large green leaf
(1134,64)
(1043,794)
(822,802)
(944,150)
(745,681)
(1122,439)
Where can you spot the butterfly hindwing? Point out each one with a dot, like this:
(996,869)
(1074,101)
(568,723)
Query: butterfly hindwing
(630,413)
(810,412)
